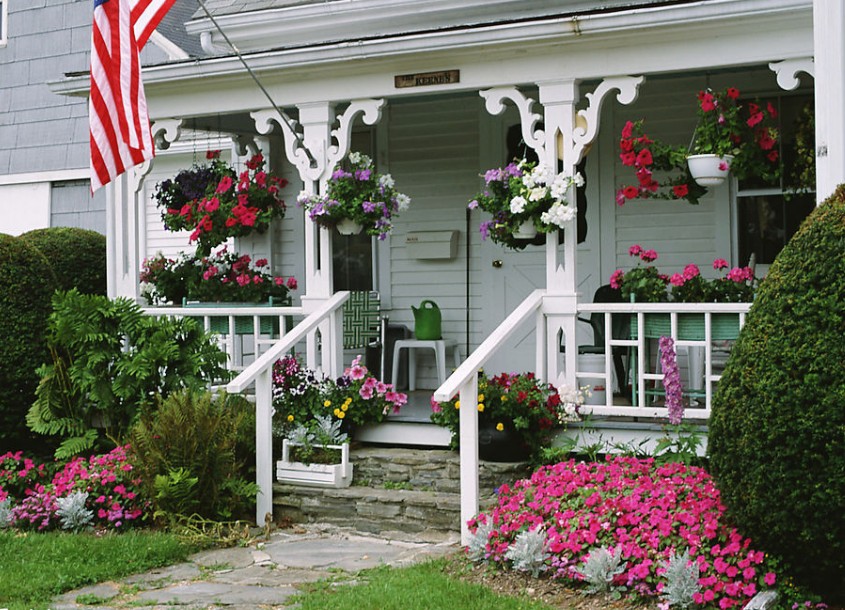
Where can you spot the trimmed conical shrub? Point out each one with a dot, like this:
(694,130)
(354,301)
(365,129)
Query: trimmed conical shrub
(777,433)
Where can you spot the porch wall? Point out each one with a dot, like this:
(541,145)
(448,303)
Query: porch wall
(433,150)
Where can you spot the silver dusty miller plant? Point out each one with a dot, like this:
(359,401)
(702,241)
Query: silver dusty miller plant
(5,513)
(601,567)
(72,512)
(528,552)
(681,580)
(477,544)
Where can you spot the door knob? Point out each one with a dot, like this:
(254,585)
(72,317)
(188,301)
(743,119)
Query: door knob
(497,264)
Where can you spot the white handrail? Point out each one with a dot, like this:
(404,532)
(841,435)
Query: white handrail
(469,368)
(266,360)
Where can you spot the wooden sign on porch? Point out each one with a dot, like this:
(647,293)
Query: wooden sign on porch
(445,77)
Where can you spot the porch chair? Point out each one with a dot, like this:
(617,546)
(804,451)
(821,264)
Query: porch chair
(620,329)
(364,328)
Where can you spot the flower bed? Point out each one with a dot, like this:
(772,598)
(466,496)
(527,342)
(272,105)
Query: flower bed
(643,512)
(111,491)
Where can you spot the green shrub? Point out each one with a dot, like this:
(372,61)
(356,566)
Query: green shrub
(108,361)
(77,256)
(26,285)
(777,433)
(187,453)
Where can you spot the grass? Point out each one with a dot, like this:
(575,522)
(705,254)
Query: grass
(424,586)
(39,566)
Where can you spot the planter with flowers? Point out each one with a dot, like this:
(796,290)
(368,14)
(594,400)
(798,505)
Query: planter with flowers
(524,199)
(647,284)
(357,198)
(222,279)
(517,415)
(730,136)
(215,202)
(315,415)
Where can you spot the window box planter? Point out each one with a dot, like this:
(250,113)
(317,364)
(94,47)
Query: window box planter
(243,324)
(315,475)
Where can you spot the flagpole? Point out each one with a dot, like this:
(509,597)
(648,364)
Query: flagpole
(283,116)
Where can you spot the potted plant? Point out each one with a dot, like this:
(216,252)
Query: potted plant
(524,198)
(222,279)
(732,136)
(313,412)
(517,415)
(729,136)
(215,202)
(316,455)
(356,198)
(641,284)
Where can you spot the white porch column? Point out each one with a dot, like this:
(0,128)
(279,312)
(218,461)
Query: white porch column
(829,48)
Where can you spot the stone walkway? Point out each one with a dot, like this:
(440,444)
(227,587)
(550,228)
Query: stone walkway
(262,575)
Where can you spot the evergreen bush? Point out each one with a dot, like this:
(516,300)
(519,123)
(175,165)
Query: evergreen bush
(187,453)
(77,256)
(777,433)
(26,284)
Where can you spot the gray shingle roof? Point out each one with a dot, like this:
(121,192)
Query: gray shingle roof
(172,26)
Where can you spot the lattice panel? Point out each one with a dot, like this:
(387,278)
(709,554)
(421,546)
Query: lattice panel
(361,319)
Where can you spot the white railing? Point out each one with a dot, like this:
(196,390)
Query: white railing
(243,333)
(327,318)
(465,381)
(701,332)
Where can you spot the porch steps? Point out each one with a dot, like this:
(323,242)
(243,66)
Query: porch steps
(409,492)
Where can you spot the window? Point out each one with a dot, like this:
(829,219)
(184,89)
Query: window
(768,215)
(352,264)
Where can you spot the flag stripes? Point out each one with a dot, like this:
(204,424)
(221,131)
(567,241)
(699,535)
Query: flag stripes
(119,122)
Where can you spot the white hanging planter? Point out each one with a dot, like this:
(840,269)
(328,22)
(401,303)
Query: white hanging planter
(709,170)
(526,230)
(348,226)
(315,475)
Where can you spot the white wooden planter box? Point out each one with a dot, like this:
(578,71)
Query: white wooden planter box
(315,475)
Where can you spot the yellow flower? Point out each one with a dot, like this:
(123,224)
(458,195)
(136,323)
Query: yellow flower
(344,406)
(504,398)
(337,412)
(327,403)
(290,417)
(500,426)
(457,404)
(347,402)
(481,398)
(481,407)
(341,415)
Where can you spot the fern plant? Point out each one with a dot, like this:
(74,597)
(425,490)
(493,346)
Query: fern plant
(601,567)
(681,580)
(107,361)
(72,512)
(189,435)
(529,553)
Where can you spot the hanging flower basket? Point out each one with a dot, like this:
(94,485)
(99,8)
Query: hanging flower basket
(347,226)
(709,170)
(526,230)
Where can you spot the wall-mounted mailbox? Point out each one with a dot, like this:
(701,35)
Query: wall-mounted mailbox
(430,245)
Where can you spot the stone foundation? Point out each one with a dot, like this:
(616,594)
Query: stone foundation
(407,490)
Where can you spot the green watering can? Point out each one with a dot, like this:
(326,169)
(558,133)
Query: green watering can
(427,321)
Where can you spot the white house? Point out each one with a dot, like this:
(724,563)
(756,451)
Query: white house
(432,89)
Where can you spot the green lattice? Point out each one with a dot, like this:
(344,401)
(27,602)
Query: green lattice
(361,324)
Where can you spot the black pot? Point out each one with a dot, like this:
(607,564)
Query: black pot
(505,445)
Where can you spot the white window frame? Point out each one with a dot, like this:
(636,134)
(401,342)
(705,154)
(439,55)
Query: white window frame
(4,21)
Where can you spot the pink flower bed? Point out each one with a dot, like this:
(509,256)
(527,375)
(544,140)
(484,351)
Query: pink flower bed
(647,510)
(114,494)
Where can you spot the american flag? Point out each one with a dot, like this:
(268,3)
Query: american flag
(117,112)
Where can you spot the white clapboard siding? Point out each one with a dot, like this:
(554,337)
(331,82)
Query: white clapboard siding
(681,233)
(433,152)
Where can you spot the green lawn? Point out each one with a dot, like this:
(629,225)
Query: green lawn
(423,586)
(37,567)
